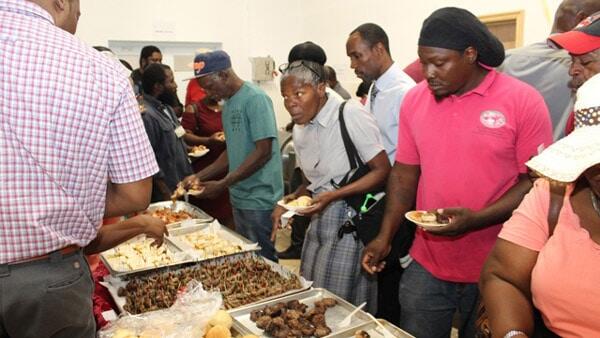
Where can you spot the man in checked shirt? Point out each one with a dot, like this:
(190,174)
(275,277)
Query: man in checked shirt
(72,150)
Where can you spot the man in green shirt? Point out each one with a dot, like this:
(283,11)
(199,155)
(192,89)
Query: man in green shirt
(252,158)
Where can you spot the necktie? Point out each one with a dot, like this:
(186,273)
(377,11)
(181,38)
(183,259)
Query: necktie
(374,92)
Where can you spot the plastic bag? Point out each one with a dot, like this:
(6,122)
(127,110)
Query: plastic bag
(187,318)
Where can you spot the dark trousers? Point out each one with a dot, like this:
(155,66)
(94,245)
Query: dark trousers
(388,305)
(47,298)
(429,304)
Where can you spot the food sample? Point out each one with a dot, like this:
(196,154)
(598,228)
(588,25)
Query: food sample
(222,318)
(240,282)
(139,254)
(220,135)
(194,189)
(302,201)
(199,149)
(208,245)
(168,216)
(432,217)
(292,320)
(218,332)
(361,334)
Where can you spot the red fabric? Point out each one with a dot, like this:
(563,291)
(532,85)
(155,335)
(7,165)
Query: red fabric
(414,71)
(570,124)
(194,92)
(102,300)
(205,123)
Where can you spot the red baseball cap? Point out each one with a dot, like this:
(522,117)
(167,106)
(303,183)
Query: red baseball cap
(584,38)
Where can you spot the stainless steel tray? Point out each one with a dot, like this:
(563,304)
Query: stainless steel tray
(196,212)
(243,324)
(113,283)
(373,330)
(177,236)
(182,257)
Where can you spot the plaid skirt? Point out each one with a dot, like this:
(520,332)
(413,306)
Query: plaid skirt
(333,263)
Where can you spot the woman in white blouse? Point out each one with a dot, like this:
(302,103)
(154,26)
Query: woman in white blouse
(330,258)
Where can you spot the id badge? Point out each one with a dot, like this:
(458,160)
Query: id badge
(179,131)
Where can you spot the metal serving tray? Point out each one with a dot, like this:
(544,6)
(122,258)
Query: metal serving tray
(113,283)
(243,324)
(197,213)
(177,236)
(373,330)
(181,257)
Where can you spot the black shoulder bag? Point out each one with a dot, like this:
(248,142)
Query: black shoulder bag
(369,206)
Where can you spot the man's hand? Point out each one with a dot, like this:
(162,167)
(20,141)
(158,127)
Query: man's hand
(216,138)
(462,220)
(320,202)
(374,254)
(190,182)
(212,189)
(276,220)
(289,197)
(153,228)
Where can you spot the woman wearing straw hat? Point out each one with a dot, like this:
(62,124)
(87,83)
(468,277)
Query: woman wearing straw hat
(548,253)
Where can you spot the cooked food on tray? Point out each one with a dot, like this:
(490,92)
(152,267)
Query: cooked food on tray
(168,216)
(294,319)
(210,245)
(240,282)
(361,334)
(138,254)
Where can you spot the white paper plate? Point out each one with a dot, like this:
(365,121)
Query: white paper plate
(291,207)
(413,216)
(199,153)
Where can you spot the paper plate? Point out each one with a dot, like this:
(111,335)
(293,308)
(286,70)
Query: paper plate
(291,207)
(199,153)
(415,217)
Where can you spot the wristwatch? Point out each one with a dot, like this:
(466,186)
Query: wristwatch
(514,333)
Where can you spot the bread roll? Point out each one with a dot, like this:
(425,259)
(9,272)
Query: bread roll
(218,331)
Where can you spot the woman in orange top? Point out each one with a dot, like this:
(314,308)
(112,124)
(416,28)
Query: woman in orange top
(556,270)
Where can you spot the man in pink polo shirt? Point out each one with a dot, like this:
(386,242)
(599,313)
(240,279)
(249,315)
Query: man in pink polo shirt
(464,137)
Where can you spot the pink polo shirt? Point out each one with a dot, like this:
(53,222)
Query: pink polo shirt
(471,149)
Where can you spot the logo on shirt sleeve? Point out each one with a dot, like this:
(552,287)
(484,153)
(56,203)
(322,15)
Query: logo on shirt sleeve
(492,119)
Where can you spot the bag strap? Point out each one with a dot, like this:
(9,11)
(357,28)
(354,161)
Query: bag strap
(197,119)
(557,195)
(351,151)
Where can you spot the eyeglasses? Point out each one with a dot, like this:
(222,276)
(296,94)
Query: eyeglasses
(297,64)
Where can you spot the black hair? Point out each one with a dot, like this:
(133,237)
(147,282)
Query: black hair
(373,34)
(153,74)
(307,51)
(102,49)
(363,88)
(147,52)
(126,64)
(330,73)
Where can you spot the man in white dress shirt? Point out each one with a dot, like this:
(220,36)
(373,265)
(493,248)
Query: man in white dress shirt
(369,52)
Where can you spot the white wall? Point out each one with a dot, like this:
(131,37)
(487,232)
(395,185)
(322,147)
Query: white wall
(249,28)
